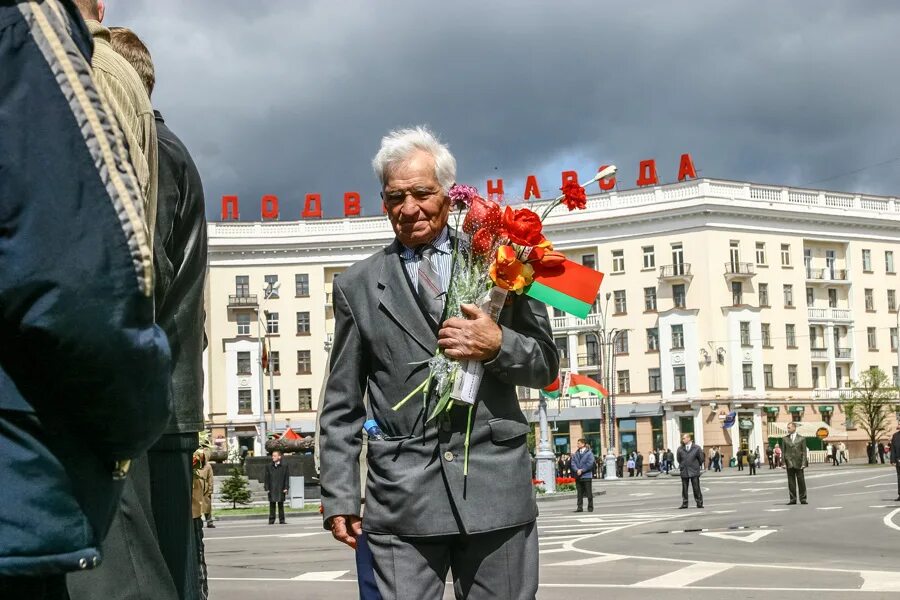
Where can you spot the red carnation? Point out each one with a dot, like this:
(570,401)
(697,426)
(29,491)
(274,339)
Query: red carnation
(522,227)
(482,214)
(573,195)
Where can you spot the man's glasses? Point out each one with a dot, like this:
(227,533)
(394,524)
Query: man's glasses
(395,197)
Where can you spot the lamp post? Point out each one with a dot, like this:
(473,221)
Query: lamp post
(264,340)
(545,460)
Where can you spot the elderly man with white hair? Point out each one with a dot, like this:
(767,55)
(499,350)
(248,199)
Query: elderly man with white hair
(423,517)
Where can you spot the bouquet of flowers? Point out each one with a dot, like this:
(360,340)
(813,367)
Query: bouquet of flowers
(497,251)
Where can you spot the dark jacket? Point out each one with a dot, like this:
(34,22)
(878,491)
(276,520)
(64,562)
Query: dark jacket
(83,370)
(690,462)
(584,460)
(794,452)
(179,259)
(895,447)
(277,480)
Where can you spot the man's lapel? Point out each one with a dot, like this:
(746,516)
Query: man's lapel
(398,300)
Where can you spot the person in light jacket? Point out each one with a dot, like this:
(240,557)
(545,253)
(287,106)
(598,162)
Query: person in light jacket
(583,462)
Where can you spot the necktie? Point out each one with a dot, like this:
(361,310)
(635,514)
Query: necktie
(429,287)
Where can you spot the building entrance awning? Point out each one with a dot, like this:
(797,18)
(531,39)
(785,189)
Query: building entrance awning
(826,408)
(795,408)
(772,410)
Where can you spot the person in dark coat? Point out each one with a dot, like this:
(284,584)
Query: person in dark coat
(895,457)
(277,483)
(795,460)
(690,463)
(639,465)
(83,368)
(881,452)
(583,462)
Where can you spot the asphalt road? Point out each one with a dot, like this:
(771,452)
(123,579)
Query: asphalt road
(745,543)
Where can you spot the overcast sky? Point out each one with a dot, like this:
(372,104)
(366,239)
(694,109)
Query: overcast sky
(290,97)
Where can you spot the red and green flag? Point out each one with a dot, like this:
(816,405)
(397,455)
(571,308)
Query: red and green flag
(570,287)
(552,390)
(582,384)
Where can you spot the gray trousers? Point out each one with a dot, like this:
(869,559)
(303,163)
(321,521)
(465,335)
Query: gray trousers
(796,479)
(498,565)
(133,567)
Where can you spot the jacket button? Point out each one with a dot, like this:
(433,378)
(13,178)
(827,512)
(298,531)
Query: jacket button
(96,561)
(82,563)
(448,456)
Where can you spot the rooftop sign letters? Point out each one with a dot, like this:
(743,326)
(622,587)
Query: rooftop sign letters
(312,205)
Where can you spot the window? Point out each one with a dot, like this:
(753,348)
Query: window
(271,280)
(242,285)
(796,417)
(889,261)
(788,296)
(593,352)
(304,362)
(274,363)
(302,323)
(790,335)
(792,376)
(871,338)
(832,298)
(747,373)
(867,260)
(734,249)
(562,345)
(678,258)
(677,337)
(768,380)
(745,333)
(785,255)
(654,380)
(764,294)
(620,343)
(304,398)
(650,299)
(559,313)
(760,253)
(893,335)
(810,297)
(892,300)
(301,285)
(589,260)
(623,381)
(649,257)
(618,261)
(272,323)
(243,363)
(737,293)
(766,335)
(896,376)
(274,399)
(870,299)
(815,376)
(619,299)
(678,296)
(826,417)
(243,324)
(653,339)
(679,381)
(245,403)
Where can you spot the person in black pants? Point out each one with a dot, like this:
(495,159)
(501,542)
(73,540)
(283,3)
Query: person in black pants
(277,483)
(690,463)
(895,457)
(583,466)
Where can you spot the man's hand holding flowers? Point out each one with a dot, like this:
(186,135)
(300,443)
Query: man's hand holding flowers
(476,337)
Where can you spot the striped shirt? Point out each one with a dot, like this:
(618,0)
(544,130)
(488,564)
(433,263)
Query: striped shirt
(442,260)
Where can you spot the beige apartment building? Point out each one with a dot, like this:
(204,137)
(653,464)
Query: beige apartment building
(760,300)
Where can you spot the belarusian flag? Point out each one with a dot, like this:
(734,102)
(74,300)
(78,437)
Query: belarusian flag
(552,390)
(570,287)
(582,384)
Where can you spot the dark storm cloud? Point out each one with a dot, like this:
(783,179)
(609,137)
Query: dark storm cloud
(293,97)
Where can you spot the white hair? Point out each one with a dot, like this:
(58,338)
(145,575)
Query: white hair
(400,144)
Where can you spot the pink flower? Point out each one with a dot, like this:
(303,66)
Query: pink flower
(462,195)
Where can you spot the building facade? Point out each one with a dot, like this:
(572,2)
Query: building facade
(718,297)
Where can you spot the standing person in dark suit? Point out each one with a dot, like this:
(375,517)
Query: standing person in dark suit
(795,460)
(751,462)
(881,452)
(895,456)
(277,483)
(583,462)
(425,516)
(690,462)
(639,465)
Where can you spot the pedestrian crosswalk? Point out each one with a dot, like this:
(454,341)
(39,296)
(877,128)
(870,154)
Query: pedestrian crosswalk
(560,533)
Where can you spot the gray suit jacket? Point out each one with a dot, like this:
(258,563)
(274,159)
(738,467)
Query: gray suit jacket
(415,482)
(794,453)
(690,462)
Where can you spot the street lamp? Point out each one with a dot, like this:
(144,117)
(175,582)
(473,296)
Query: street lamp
(270,290)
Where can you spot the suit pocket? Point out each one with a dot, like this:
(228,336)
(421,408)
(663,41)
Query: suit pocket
(507,431)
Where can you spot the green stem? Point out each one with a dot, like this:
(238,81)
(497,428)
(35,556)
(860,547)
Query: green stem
(555,203)
(468,433)
(418,389)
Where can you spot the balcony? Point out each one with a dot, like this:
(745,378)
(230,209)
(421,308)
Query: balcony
(243,301)
(739,271)
(829,314)
(588,360)
(677,273)
(826,276)
(819,354)
(568,322)
(843,354)
(832,394)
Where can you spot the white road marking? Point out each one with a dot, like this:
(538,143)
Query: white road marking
(722,512)
(319,576)
(642,494)
(889,519)
(587,561)
(685,576)
(879,484)
(829,507)
(268,535)
(769,489)
(879,506)
(739,536)
(880,581)
(776,509)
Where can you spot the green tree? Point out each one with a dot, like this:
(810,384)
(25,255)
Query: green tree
(871,403)
(235,489)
